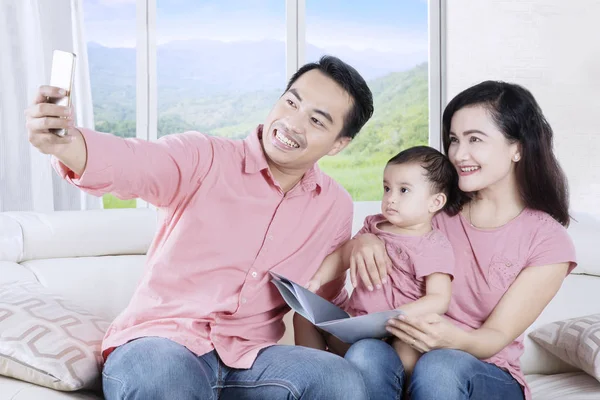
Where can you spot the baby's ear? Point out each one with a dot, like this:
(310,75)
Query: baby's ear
(438,201)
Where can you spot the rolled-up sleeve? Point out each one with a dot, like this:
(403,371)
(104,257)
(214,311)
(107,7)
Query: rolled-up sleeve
(157,172)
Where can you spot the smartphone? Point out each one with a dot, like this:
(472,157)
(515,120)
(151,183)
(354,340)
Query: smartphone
(62,75)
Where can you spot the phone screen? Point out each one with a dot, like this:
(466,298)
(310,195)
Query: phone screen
(63,69)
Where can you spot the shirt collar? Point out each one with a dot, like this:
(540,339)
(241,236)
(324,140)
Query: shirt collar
(255,161)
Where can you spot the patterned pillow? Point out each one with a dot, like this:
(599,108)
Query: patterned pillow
(575,341)
(48,341)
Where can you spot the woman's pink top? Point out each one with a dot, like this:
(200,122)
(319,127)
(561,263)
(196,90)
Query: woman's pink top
(489,260)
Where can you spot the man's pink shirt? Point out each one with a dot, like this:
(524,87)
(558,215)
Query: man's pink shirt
(489,260)
(224,223)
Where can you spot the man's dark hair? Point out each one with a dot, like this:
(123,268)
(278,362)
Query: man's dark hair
(440,173)
(351,81)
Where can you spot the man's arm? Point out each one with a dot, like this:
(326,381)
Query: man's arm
(101,163)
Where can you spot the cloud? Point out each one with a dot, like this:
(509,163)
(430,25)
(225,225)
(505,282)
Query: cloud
(380,37)
(115,3)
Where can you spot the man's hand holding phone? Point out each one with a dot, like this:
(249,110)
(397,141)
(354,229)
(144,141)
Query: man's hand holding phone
(43,116)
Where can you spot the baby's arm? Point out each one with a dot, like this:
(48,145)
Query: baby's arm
(305,333)
(332,267)
(437,296)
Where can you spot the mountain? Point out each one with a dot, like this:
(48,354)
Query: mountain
(227,88)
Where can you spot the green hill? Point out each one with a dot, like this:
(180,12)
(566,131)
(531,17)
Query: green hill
(400,120)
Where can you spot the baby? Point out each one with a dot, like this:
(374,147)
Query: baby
(417,184)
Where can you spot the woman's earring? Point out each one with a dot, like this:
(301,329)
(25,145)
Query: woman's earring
(516,158)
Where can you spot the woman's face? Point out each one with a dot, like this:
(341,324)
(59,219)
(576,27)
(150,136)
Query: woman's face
(480,152)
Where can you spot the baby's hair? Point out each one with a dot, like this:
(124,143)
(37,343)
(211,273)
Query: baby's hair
(439,172)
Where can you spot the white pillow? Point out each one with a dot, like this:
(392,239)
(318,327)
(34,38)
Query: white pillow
(47,340)
(575,341)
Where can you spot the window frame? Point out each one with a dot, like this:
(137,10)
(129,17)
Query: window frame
(295,47)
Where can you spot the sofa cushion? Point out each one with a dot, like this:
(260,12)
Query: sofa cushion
(572,300)
(571,386)
(87,281)
(575,340)
(12,389)
(11,271)
(11,239)
(96,232)
(46,340)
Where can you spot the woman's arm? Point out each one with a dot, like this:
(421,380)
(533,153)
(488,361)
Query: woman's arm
(524,301)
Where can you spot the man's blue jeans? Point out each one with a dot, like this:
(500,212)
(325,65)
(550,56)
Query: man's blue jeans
(156,368)
(439,374)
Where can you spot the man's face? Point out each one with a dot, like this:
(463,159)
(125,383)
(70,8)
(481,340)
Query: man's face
(305,123)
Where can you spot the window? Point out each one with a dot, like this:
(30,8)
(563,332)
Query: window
(221,64)
(387,42)
(110,29)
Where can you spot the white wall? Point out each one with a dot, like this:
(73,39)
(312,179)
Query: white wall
(552,47)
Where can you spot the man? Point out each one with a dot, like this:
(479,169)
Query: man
(204,320)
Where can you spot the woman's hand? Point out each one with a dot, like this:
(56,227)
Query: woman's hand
(426,332)
(369,260)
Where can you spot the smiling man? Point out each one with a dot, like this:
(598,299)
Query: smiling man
(205,319)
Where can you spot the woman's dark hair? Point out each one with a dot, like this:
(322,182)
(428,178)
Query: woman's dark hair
(541,181)
(351,81)
(439,172)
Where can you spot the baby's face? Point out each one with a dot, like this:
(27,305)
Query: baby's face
(407,195)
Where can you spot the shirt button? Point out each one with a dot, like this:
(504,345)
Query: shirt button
(254,274)
(244,300)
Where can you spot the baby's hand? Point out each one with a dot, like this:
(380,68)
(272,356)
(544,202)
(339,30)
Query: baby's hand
(314,284)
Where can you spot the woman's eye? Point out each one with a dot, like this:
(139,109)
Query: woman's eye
(453,139)
(316,121)
(475,139)
(291,103)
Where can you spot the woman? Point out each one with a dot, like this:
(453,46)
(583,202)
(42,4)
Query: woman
(511,248)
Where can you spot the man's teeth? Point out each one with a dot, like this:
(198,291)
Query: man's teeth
(468,169)
(285,140)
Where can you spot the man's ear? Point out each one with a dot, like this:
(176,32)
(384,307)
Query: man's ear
(339,145)
(438,201)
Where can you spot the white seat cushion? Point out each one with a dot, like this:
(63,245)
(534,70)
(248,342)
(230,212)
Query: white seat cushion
(102,285)
(570,386)
(12,389)
(578,296)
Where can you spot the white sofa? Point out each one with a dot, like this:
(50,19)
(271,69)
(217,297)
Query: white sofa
(95,258)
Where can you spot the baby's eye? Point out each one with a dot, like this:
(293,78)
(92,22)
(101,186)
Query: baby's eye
(404,190)
(386,189)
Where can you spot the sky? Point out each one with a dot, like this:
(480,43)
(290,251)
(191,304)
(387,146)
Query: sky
(395,26)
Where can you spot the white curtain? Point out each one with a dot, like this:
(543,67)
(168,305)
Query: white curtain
(30,30)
